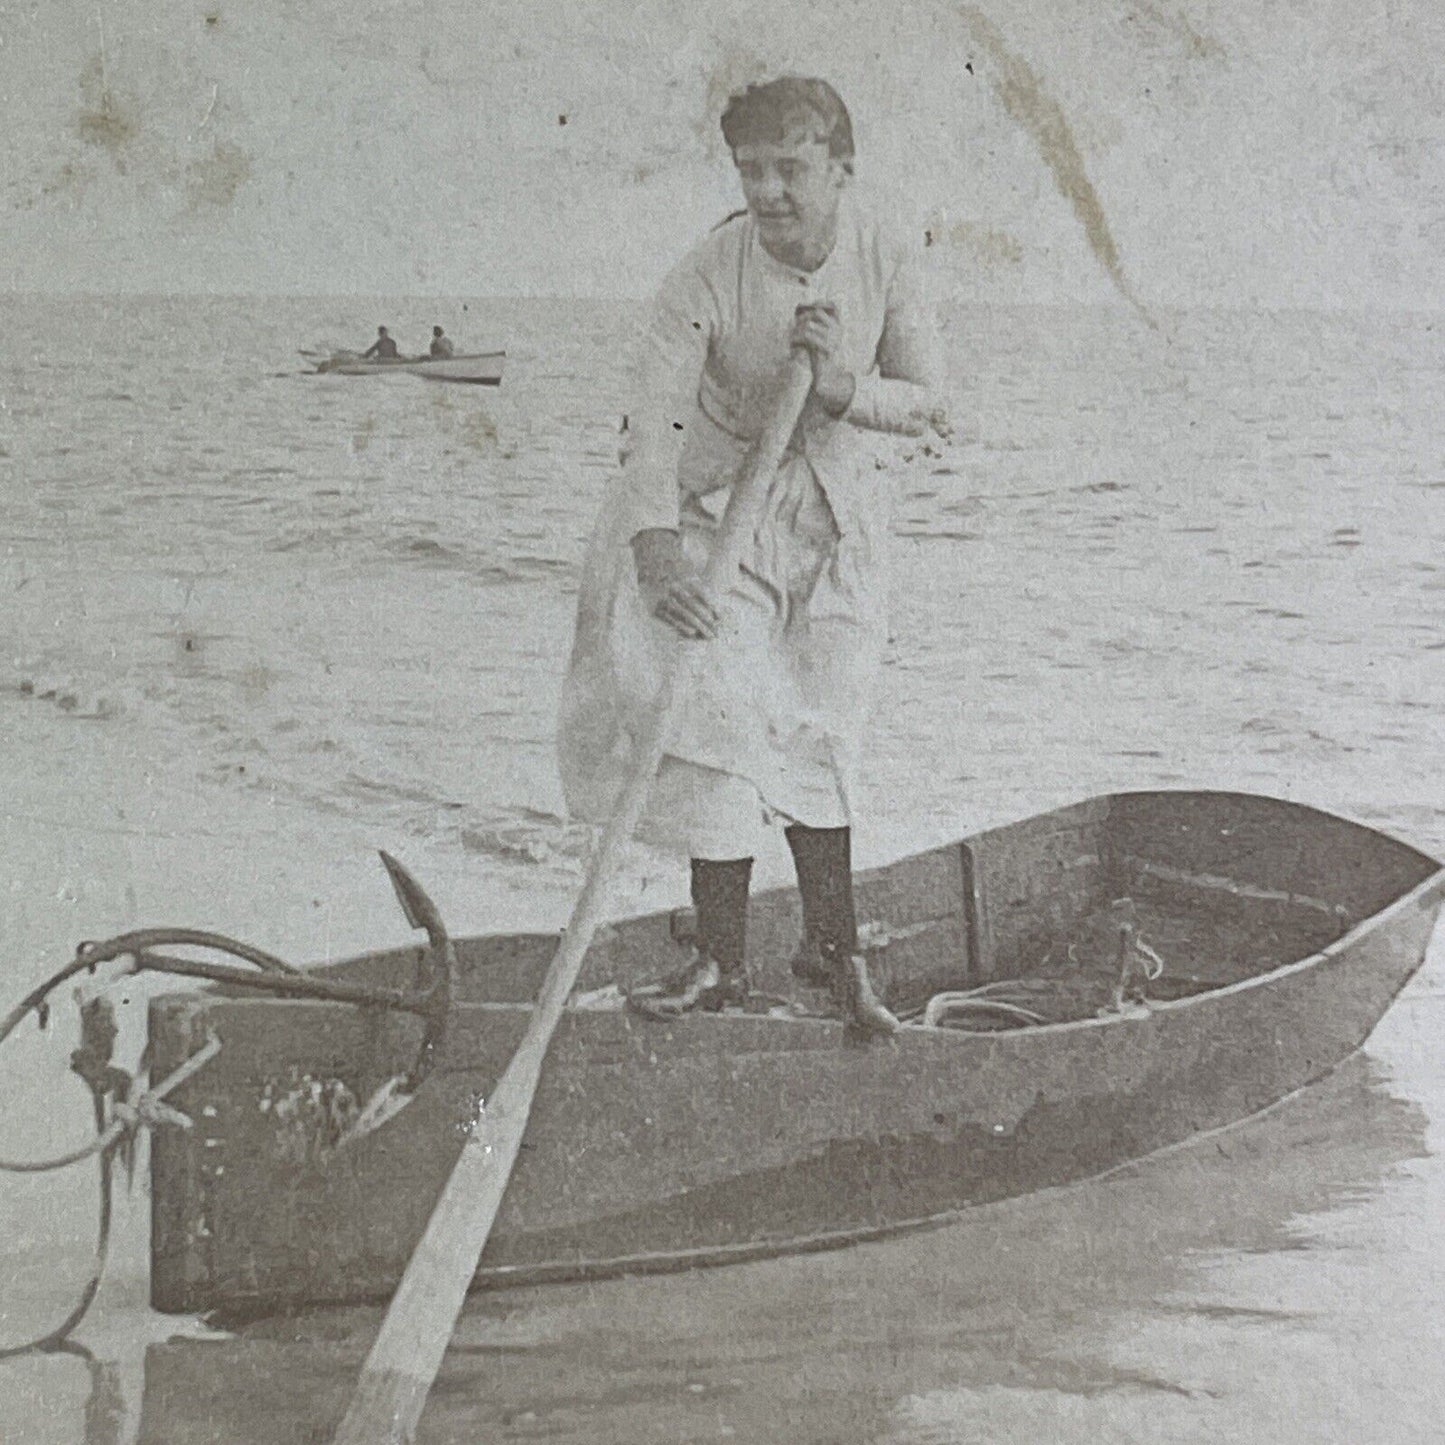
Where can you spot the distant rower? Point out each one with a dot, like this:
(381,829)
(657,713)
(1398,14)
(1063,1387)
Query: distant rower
(383,348)
(441,344)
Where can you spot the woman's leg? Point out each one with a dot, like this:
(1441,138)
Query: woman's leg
(824,860)
(716,816)
(720,900)
(716,973)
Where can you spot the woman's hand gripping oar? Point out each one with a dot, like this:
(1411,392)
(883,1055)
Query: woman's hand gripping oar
(404,1361)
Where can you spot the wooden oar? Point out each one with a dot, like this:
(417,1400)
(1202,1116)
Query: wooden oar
(404,1361)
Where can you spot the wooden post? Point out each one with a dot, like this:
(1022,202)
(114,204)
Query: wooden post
(408,1351)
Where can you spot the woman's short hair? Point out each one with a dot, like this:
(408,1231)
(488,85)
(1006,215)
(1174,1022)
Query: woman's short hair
(772,109)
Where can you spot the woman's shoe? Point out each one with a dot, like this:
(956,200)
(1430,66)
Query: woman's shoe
(703,983)
(860,1006)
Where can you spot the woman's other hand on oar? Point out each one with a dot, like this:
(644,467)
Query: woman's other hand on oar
(671,586)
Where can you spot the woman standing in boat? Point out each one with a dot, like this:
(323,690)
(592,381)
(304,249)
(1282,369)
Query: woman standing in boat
(770,728)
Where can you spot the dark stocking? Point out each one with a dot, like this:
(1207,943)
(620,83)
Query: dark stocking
(720,898)
(824,859)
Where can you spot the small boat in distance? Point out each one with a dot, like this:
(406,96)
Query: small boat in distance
(482,368)
(1079,990)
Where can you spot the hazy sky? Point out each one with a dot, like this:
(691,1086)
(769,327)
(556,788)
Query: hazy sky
(1256,151)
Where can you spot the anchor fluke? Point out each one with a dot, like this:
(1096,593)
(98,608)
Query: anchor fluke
(383,1106)
(415,901)
(437,980)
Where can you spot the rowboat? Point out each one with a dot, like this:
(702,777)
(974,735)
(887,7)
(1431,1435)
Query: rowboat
(483,368)
(1280,933)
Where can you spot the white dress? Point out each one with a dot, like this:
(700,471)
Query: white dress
(773,721)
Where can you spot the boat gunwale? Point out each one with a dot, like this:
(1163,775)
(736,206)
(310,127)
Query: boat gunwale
(1139,1013)
(429,360)
(1148,1007)
(1434,881)
(402,362)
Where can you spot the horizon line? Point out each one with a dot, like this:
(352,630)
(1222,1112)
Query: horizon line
(125,294)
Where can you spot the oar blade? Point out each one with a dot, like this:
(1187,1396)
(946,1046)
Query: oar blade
(407,1355)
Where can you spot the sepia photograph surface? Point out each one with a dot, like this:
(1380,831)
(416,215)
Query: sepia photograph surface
(722,723)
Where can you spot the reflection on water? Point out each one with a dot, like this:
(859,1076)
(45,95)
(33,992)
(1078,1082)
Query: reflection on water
(1122,1309)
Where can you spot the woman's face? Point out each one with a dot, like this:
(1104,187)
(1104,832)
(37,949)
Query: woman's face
(792,187)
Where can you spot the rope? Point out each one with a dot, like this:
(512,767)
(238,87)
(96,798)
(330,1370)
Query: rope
(1153,964)
(1010,998)
(55,1339)
(126,1117)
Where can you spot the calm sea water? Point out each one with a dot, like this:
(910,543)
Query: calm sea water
(257,623)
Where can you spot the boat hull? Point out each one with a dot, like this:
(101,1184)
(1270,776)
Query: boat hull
(722,1137)
(481,369)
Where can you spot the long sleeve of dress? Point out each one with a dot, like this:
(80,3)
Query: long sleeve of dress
(903,393)
(671,357)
